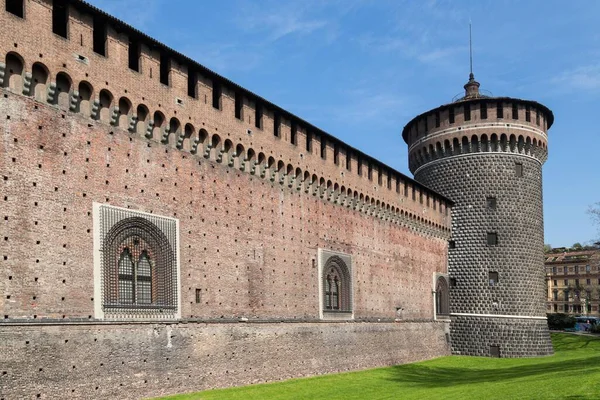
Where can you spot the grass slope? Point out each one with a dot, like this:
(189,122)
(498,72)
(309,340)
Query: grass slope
(572,373)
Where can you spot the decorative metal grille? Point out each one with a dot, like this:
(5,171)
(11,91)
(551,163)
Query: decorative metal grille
(139,261)
(337,285)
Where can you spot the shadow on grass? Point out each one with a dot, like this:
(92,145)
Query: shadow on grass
(452,376)
(497,370)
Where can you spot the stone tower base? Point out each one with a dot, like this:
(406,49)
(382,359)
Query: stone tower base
(500,337)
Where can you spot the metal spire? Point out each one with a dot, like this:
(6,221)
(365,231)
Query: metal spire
(471,76)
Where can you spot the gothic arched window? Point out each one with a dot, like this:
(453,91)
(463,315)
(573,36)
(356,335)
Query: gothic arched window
(336,286)
(441,297)
(138,263)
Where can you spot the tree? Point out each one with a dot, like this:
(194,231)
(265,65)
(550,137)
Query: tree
(594,212)
(547,248)
(577,246)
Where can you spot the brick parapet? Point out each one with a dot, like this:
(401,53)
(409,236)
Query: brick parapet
(142,89)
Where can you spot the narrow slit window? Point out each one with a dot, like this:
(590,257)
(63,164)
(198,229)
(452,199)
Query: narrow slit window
(309,142)
(15,7)
(294,134)
(451,115)
(99,36)
(198,296)
(192,84)
(336,154)
(499,111)
(216,95)
(379,176)
(60,18)
(165,69)
(467,112)
(358,166)
(134,55)
(323,148)
(493,278)
(276,125)
(515,111)
(519,170)
(348,160)
(258,114)
(239,104)
(437,119)
(527,114)
(370,172)
(537,117)
(492,239)
(483,110)
(389,181)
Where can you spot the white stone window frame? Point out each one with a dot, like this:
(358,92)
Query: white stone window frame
(323,257)
(99,312)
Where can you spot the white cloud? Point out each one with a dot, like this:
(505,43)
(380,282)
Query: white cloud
(585,78)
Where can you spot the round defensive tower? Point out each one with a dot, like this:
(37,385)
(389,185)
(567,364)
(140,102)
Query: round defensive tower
(486,153)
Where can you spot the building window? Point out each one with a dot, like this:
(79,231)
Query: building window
(537,117)
(555,282)
(499,111)
(555,295)
(467,112)
(451,244)
(336,282)
(216,94)
(577,269)
(137,264)
(483,110)
(359,166)
(15,7)
(588,281)
(370,172)
(99,36)
(566,282)
(437,119)
(60,18)
(451,115)
(442,292)
(134,52)
(348,160)
(308,141)
(379,176)
(336,154)
(577,282)
(165,69)
(519,170)
(323,148)
(198,296)
(492,239)
(554,270)
(515,111)
(527,113)
(491,202)
(493,278)
(239,105)
(587,268)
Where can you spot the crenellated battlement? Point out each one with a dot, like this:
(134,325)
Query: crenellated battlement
(479,125)
(103,69)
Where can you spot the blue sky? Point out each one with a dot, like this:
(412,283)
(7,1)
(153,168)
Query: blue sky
(361,70)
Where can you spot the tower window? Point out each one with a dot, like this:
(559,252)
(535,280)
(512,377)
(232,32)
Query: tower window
(60,18)
(527,114)
(483,110)
(379,176)
(437,119)
(15,7)
(491,202)
(294,133)
(276,125)
(323,148)
(309,142)
(258,114)
(165,69)
(192,86)
(358,166)
(134,55)
(467,112)
(451,115)
(499,111)
(515,111)
(493,278)
(337,296)
(370,172)
(99,36)
(537,117)
(198,296)
(451,244)
(492,239)
(519,170)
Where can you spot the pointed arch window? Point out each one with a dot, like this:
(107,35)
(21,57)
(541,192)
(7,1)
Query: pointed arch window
(138,264)
(337,296)
(442,308)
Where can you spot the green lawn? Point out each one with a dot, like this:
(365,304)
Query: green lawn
(572,373)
